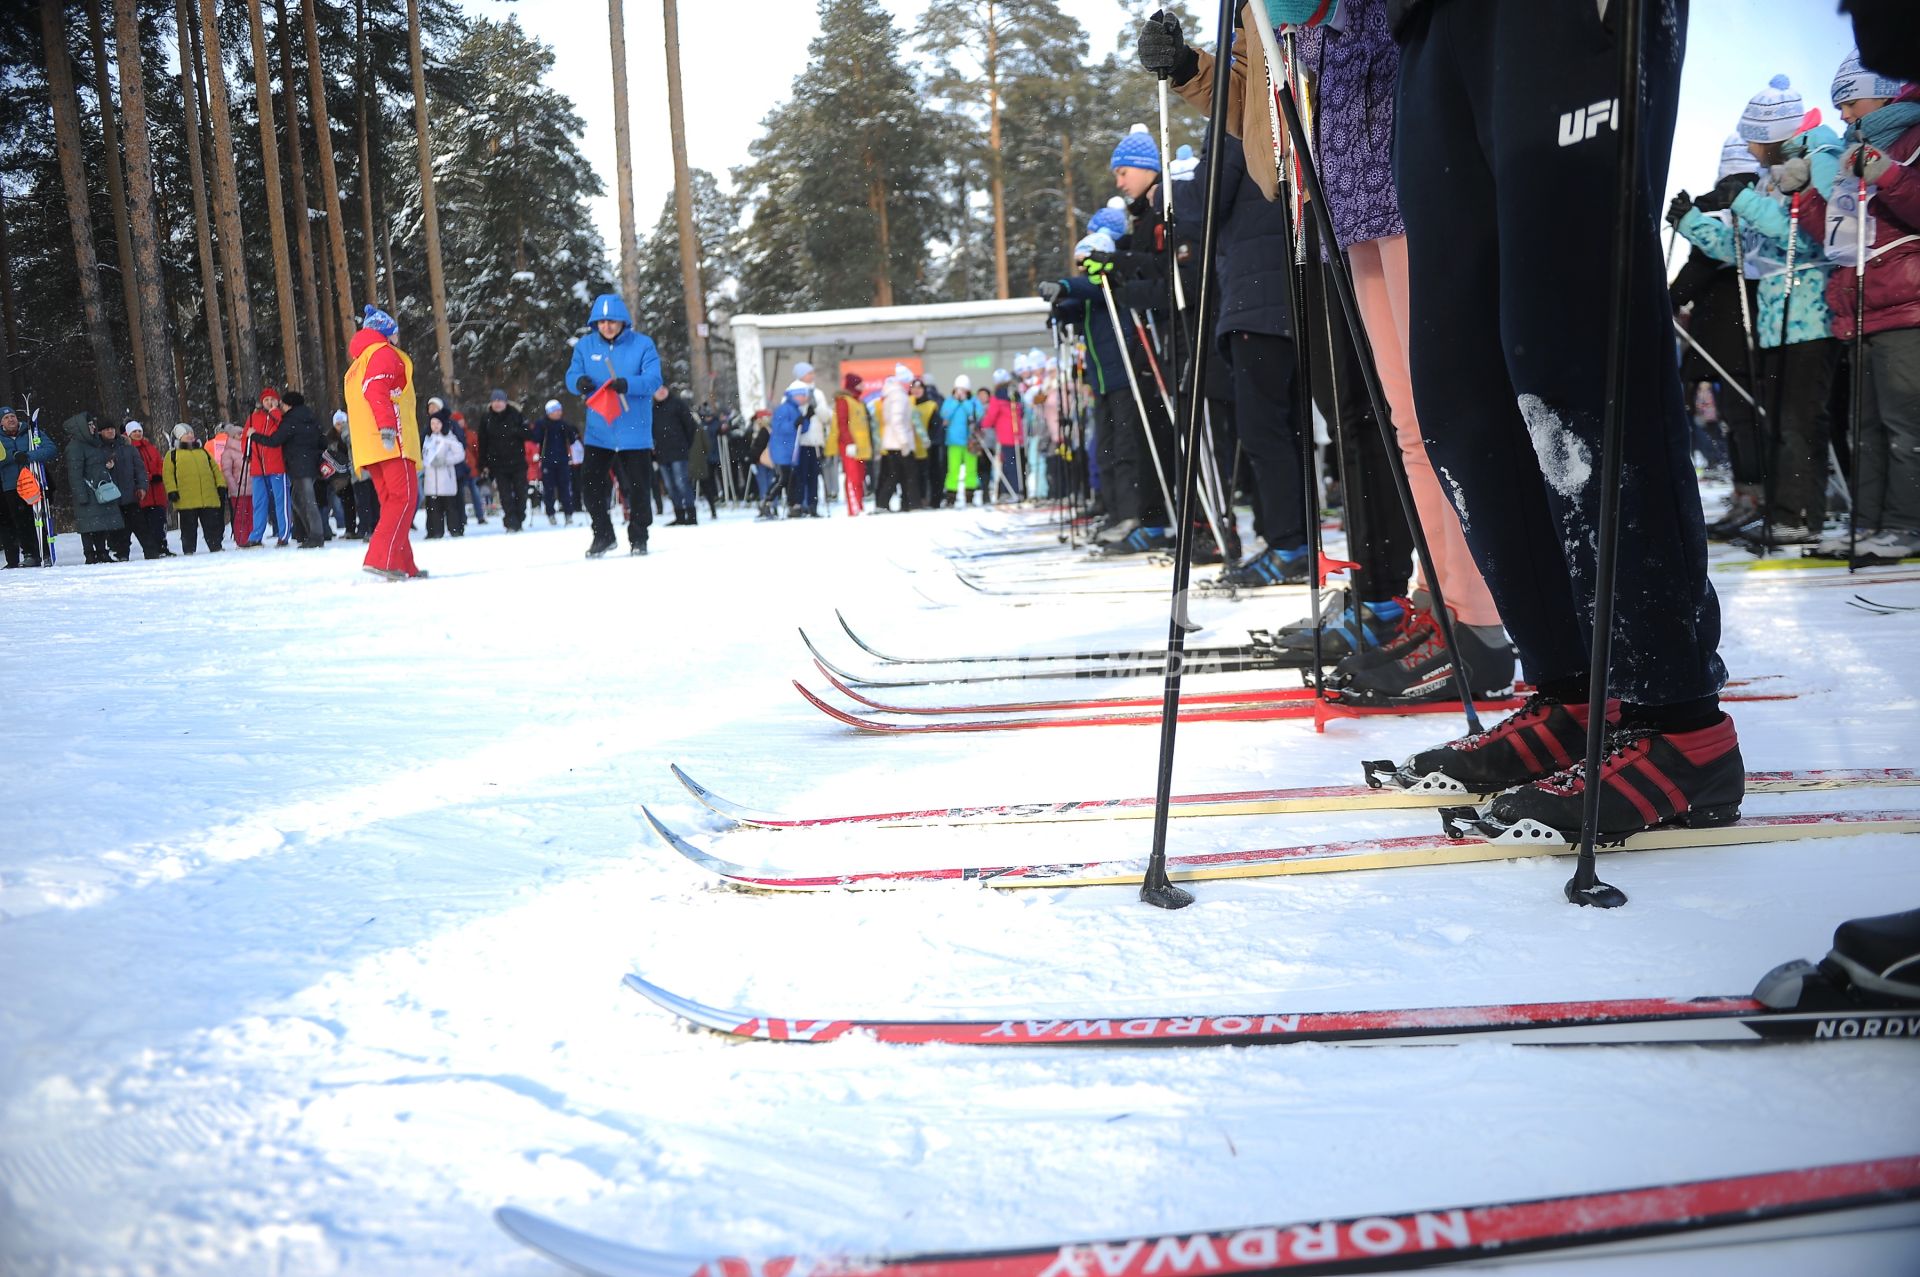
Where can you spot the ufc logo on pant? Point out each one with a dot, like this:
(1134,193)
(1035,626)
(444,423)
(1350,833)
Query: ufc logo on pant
(1582,125)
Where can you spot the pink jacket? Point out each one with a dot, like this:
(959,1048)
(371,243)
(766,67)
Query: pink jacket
(1003,422)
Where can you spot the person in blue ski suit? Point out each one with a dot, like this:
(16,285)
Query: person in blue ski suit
(613,357)
(783,440)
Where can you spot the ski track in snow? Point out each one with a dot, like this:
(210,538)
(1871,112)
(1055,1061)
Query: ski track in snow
(314,924)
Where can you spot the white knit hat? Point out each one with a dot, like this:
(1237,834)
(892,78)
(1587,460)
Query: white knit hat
(181,430)
(963,382)
(1736,158)
(1097,242)
(133,426)
(1774,113)
(553,405)
(1853,82)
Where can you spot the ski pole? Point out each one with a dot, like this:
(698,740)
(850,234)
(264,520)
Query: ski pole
(1859,356)
(1585,887)
(1155,887)
(1303,370)
(1172,407)
(1370,377)
(1133,384)
(1780,382)
(1713,363)
(1176,289)
(1762,421)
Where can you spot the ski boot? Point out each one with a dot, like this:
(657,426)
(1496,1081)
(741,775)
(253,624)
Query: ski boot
(638,548)
(1362,627)
(1888,547)
(1422,670)
(1542,737)
(1116,531)
(1874,962)
(1649,778)
(601,544)
(1269,567)
(1142,540)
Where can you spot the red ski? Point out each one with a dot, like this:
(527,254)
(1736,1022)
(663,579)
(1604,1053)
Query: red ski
(1771,1205)
(1617,1021)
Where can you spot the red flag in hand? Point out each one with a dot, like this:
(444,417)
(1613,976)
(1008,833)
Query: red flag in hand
(606,402)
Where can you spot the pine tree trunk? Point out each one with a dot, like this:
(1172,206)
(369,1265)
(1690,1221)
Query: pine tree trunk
(623,156)
(66,129)
(317,343)
(9,324)
(1066,191)
(436,274)
(285,302)
(996,169)
(154,320)
(877,201)
(117,195)
(341,290)
(369,250)
(226,207)
(696,297)
(196,171)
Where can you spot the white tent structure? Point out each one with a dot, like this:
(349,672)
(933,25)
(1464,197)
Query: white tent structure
(947,339)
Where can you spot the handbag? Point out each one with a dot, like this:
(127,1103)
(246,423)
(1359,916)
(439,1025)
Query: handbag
(105,492)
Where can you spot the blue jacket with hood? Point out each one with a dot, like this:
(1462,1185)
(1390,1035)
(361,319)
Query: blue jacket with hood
(784,430)
(630,355)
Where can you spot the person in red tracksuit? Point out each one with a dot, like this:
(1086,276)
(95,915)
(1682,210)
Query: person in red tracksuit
(386,440)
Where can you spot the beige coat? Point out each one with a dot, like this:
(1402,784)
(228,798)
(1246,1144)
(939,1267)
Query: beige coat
(1248,115)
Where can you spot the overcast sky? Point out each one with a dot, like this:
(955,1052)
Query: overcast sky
(739,59)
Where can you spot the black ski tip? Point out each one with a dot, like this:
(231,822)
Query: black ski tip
(1595,894)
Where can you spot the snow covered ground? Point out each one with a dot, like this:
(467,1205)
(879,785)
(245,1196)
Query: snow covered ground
(316,892)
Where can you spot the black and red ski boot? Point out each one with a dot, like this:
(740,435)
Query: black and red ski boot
(1650,778)
(1538,740)
(1422,669)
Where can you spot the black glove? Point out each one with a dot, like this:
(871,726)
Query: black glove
(1681,206)
(1161,46)
(619,385)
(1050,290)
(1721,197)
(584,385)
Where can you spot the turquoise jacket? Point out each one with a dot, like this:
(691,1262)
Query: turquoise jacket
(1765,216)
(961,417)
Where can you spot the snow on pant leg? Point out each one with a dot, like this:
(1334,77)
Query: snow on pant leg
(1890,432)
(1263,369)
(856,481)
(1799,381)
(1380,280)
(635,468)
(261,503)
(390,548)
(1509,237)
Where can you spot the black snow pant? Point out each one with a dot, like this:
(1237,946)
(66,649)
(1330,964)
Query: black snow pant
(366,507)
(17,537)
(1796,386)
(306,511)
(512,489)
(1888,466)
(97,546)
(635,473)
(149,524)
(194,522)
(441,512)
(1128,481)
(1263,412)
(120,540)
(893,478)
(1509,194)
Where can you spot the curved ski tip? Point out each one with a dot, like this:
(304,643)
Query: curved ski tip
(583,1252)
(706,1017)
(711,863)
